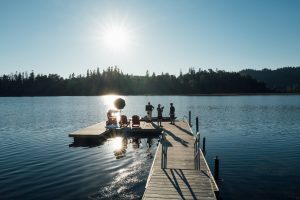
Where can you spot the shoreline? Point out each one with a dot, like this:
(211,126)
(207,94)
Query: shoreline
(208,94)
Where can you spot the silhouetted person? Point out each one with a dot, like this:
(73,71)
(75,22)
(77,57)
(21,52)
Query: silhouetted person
(149,109)
(172,113)
(159,114)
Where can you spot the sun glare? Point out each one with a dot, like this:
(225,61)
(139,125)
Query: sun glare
(117,143)
(108,100)
(117,37)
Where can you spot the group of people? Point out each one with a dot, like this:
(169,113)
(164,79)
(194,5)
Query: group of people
(160,109)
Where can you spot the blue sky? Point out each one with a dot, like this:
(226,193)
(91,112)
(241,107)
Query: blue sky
(65,36)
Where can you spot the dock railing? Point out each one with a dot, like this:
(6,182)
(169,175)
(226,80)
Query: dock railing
(164,155)
(197,152)
(188,118)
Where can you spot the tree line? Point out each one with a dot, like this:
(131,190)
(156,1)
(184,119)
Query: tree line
(113,80)
(285,79)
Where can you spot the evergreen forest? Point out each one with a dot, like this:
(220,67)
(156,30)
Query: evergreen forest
(113,80)
(285,79)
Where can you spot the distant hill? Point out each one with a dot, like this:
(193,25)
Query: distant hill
(285,79)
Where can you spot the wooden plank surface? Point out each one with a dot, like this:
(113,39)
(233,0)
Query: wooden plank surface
(179,180)
(94,130)
(99,129)
(147,126)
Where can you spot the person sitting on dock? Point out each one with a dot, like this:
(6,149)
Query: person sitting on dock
(172,113)
(159,114)
(149,109)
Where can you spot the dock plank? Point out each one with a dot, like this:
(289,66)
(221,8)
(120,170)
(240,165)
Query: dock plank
(100,129)
(91,131)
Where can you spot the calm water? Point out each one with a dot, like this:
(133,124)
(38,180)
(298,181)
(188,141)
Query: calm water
(256,137)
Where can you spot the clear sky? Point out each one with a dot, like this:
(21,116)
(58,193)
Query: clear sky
(65,36)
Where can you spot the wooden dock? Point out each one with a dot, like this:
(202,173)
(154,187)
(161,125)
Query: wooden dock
(179,179)
(100,130)
(95,130)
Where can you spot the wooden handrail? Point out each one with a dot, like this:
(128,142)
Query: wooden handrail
(197,151)
(164,154)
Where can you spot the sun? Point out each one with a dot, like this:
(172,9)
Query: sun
(117,37)
(117,33)
(109,99)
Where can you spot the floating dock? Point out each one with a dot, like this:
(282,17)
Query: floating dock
(179,179)
(99,130)
(96,130)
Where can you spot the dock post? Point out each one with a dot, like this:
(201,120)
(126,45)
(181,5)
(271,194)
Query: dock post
(163,151)
(203,146)
(162,154)
(197,125)
(197,152)
(190,118)
(199,148)
(216,174)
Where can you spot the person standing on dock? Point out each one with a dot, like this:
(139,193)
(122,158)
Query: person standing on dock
(159,114)
(172,113)
(149,109)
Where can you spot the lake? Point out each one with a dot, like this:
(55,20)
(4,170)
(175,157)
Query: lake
(257,139)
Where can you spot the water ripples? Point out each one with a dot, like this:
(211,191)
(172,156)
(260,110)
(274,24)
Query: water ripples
(256,137)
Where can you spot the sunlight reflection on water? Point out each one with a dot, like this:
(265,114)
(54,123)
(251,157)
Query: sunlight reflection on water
(256,137)
(128,182)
